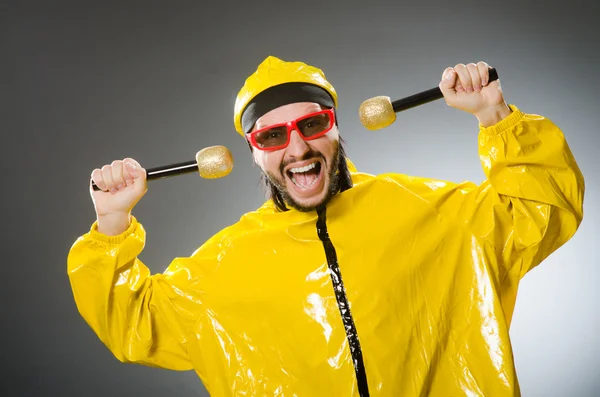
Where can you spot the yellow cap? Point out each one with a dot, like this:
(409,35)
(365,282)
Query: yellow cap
(271,72)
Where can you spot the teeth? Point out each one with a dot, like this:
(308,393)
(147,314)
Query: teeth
(302,186)
(303,169)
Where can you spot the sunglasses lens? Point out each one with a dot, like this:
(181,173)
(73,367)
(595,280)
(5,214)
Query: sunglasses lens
(272,137)
(315,124)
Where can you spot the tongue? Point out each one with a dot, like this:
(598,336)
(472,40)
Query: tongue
(304,179)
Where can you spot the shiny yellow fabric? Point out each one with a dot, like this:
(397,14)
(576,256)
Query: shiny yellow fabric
(431,270)
(274,71)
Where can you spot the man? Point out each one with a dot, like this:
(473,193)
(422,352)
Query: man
(342,283)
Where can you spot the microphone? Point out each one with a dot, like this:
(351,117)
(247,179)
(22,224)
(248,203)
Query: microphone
(211,162)
(379,112)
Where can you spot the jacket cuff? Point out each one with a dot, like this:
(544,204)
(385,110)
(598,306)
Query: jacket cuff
(113,240)
(509,122)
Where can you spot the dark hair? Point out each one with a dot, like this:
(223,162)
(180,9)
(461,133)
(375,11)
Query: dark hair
(341,181)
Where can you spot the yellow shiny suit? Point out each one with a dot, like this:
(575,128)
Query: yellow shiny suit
(405,286)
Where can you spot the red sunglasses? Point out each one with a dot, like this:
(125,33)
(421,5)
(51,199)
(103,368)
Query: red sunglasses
(277,136)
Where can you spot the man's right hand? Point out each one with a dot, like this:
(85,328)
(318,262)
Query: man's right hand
(123,183)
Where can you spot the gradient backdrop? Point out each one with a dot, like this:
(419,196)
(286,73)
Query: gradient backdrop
(90,82)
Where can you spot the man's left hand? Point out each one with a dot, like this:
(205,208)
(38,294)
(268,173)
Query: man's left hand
(467,87)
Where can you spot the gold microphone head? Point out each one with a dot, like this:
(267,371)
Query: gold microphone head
(377,112)
(214,162)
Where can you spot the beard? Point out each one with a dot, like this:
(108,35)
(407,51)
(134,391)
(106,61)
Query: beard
(281,193)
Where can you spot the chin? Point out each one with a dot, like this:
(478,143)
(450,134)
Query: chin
(307,205)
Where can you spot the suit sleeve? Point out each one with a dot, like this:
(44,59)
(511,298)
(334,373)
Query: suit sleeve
(530,204)
(141,318)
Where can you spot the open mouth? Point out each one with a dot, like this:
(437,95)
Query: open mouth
(305,177)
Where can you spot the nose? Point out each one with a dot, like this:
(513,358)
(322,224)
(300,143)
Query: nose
(298,146)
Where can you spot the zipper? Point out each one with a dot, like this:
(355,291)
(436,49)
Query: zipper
(342,301)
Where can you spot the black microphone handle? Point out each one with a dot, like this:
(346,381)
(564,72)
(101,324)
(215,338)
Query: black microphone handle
(428,96)
(166,171)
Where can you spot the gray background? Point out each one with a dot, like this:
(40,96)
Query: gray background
(87,83)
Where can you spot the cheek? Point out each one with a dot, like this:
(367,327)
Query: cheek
(267,161)
(332,142)
(327,146)
(334,134)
